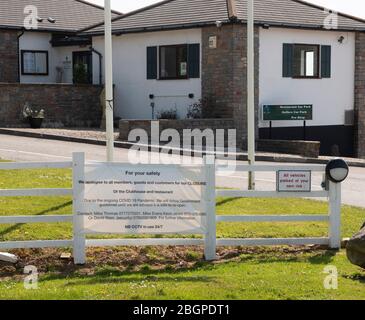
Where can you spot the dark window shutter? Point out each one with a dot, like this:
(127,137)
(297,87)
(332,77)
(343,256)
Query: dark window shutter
(194,60)
(288,53)
(326,61)
(151,63)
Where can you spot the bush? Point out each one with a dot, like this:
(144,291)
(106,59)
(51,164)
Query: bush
(170,114)
(195,111)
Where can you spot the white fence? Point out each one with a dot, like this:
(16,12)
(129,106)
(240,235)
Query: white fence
(210,242)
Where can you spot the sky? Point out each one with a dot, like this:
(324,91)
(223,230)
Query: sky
(352,7)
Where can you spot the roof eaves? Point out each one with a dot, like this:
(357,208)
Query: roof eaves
(50,30)
(157,28)
(303,26)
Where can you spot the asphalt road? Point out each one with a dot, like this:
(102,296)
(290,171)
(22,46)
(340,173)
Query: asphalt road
(30,149)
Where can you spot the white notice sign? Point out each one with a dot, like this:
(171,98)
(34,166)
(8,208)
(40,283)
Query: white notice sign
(294,181)
(126,199)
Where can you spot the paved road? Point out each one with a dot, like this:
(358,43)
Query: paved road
(30,149)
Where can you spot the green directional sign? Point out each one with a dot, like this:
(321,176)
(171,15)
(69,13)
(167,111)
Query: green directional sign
(287,112)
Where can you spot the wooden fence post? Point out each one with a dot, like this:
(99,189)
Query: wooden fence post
(78,174)
(335,215)
(210,200)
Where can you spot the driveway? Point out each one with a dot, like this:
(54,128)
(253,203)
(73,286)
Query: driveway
(31,149)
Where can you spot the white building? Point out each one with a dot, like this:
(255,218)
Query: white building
(299,62)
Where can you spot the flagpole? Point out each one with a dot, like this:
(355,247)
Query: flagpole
(251,93)
(109,105)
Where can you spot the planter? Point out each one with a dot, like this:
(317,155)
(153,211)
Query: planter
(35,123)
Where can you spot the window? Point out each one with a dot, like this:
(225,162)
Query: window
(306,61)
(34,62)
(174,62)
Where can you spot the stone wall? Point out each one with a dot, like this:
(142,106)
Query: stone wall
(308,149)
(9,56)
(224,74)
(64,105)
(360,95)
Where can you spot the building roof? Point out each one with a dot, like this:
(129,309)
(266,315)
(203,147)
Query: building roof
(69,15)
(172,14)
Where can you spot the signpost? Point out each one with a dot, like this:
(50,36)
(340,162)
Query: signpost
(302,112)
(109,105)
(296,112)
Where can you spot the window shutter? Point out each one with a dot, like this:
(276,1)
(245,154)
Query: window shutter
(288,52)
(194,60)
(326,61)
(151,63)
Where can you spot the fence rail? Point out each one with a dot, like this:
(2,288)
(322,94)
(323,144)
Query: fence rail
(209,241)
(272,218)
(34,165)
(270,194)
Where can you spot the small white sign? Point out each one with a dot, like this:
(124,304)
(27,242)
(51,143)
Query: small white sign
(294,181)
(212,42)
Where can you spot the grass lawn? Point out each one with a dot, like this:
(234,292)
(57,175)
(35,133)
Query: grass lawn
(171,273)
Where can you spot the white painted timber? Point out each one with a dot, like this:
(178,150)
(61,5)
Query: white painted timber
(273,242)
(35,219)
(79,242)
(270,194)
(210,202)
(335,215)
(8,257)
(273,168)
(35,192)
(78,165)
(34,165)
(35,244)
(143,242)
(272,218)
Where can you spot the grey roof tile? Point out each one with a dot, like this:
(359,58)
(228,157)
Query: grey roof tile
(70,15)
(180,13)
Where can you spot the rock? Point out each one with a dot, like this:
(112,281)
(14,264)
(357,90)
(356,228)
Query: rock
(355,249)
(65,256)
(8,257)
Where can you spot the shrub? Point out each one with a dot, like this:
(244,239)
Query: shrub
(170,114)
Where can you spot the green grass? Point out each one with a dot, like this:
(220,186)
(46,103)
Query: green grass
(265,274)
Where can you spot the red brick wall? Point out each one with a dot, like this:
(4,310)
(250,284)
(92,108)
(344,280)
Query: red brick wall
(64,105)
(224,74)
(360,95)
(8,56)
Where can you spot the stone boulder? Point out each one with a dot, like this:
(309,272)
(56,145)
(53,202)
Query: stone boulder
(355,248)
(8,257)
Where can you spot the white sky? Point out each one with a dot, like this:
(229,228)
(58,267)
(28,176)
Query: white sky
(353,7)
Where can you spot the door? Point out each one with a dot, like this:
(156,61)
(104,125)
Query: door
(82,67)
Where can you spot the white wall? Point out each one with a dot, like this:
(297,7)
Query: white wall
(330,97)
(132,89)
(58,56)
